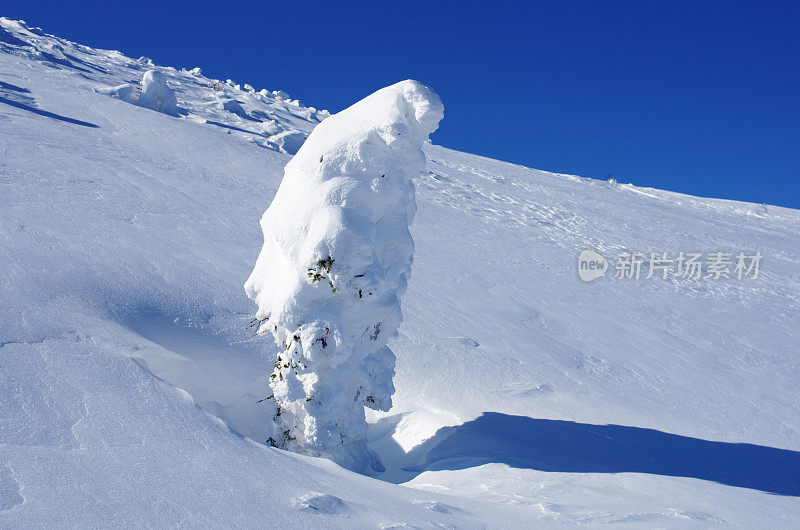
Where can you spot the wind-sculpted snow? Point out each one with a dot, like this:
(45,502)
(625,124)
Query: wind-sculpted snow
(337,253)
(131,388)
(268,118)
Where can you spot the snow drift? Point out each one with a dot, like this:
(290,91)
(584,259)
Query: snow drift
(336,254)
(288,141)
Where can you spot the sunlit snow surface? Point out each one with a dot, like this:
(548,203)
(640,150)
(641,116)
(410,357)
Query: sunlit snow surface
(523,394)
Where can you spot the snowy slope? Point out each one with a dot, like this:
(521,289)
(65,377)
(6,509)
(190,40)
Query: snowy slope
(523,393)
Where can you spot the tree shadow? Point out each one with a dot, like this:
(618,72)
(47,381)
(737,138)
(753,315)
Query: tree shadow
(15,88)
(7,38)
(29,108)
(571,447)
(231,127)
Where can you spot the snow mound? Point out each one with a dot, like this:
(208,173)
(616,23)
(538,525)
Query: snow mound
(288,141)
(336,255)
(322,504)
(155,93)
(234,107)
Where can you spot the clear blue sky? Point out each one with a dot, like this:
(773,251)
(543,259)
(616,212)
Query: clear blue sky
(697,97)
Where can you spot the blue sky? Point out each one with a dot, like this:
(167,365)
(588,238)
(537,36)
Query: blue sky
(695,97)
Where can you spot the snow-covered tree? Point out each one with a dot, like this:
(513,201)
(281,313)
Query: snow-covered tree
(155,93)
(337,252)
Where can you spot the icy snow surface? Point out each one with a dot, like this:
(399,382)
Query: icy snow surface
(129,383)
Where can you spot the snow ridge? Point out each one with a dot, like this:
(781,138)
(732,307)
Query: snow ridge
(268,118)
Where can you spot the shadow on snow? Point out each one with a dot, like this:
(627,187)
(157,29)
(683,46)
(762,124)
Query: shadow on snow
(570,447)
(29,108)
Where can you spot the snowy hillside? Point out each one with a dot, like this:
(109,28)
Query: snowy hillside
(130,381)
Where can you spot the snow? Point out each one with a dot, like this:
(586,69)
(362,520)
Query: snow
(129,383)
(288,141)
(233,106)
(336,256)
(154,93)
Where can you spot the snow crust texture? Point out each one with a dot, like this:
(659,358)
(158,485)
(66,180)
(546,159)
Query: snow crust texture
(337,253)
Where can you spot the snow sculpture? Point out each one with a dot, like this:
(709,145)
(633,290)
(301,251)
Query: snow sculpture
(336,255)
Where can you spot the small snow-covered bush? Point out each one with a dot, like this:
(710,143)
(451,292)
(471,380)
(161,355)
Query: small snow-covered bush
(154,94)
(336,255)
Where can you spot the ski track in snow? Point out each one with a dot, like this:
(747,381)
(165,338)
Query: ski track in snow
(523,394)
